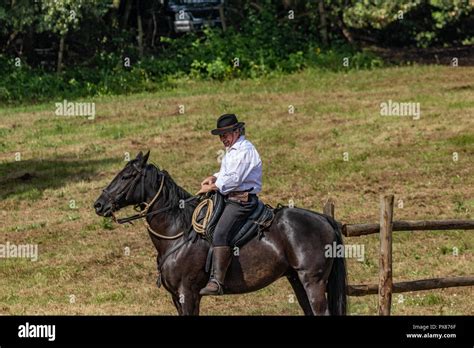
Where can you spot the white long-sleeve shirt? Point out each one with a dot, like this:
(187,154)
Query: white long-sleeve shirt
(241,168)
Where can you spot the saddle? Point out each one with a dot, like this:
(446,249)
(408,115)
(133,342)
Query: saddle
(205,223)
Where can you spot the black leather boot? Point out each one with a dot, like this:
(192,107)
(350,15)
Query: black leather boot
(221,261)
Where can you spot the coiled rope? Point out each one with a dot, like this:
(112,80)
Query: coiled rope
(198,227)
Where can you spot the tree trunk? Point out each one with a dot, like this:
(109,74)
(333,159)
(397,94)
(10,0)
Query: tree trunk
(155,28)
(126,13)
(61,53)
(221,14)
(323,24)
(340,23)
(347,34)
(140,31)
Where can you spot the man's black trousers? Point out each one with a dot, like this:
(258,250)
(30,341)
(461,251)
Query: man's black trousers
(234,215)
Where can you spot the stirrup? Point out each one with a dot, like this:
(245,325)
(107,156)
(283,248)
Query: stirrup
(220,289)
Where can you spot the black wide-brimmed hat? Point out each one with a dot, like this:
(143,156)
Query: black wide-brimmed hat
(227,123)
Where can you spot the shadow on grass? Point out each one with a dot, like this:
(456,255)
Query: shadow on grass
(29,178)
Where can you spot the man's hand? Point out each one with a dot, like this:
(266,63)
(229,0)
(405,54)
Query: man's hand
(207,188)
(209,180)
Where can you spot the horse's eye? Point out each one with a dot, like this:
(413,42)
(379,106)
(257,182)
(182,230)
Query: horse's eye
(125,177)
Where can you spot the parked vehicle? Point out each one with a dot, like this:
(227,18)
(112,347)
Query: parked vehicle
(191,15)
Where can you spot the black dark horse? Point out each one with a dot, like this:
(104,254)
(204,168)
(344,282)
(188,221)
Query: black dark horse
(293,246)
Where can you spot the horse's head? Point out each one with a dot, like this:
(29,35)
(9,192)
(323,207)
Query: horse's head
(123,190)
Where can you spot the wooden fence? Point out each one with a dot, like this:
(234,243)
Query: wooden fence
(386,287)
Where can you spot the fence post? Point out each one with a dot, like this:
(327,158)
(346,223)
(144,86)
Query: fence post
(385,261)
(328,208)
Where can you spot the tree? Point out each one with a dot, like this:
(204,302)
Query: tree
(62,17)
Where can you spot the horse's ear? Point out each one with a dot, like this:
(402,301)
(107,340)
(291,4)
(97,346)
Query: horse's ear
(145,158)
(140,156)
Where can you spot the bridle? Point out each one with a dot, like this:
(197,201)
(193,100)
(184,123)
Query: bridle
(129,189)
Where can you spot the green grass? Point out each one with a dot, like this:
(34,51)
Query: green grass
(74,158)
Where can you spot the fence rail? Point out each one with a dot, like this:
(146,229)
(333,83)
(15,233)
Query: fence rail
(354,230)
(386,287)
(415,285)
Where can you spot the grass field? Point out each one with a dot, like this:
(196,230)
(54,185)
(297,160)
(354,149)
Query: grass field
(46,198)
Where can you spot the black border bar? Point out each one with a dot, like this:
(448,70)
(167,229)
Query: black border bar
(218,330)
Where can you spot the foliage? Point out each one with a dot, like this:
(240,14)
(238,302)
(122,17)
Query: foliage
(260,40)
(413,22)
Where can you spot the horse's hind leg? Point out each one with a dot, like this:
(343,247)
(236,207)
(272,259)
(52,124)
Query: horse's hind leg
(300,293)
(315,287)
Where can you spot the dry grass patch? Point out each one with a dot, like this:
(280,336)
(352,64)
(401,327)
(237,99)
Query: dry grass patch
(73,158)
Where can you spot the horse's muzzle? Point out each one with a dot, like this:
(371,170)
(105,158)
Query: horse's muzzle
(102,207)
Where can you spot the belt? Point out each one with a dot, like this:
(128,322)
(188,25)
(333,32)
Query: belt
(240,193)
(240,196)
(244,191)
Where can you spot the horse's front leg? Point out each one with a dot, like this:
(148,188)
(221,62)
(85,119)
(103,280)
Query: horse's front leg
(177,304)
(188,301)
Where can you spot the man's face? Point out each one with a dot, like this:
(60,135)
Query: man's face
(229,138)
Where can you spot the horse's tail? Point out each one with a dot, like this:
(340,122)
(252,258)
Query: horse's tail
(336,287)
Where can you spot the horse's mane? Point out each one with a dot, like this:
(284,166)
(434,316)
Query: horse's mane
(172,195)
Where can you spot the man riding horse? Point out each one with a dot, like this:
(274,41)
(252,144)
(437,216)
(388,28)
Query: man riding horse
(293,245)
(239,180)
